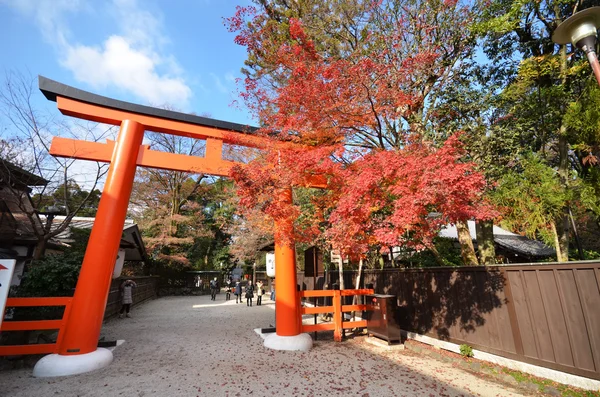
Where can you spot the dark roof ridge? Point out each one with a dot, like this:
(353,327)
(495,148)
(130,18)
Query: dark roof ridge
(52,89)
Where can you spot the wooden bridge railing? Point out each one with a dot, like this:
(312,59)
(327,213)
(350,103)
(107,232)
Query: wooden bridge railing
(35,325)
(338,325)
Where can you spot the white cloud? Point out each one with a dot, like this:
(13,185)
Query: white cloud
(118,63)
(130,60)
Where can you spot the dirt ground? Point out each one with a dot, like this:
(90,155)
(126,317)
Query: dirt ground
(192,346)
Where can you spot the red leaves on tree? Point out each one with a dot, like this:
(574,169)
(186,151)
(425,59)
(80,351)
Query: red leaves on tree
(318,109)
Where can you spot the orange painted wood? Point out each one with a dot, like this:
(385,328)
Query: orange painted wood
(337,316)
(317,310)
(61,331)
(355,324)
(34,302)
(288,321)
(356,308)
(353,292)
(181,162)
(31,325)
(18,350)
(85,150)
(318,327)
(83,325)
(316,293)
(87,111)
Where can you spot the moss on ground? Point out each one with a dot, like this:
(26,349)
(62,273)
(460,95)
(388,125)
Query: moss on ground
(565,391)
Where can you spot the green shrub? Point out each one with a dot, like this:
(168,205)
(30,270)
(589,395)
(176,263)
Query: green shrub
(55,275)
(466,350)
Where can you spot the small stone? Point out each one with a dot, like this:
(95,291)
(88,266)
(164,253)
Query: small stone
(530,386)
(506,378)
(476,366)
(552,391)
(464,364)
(448,359)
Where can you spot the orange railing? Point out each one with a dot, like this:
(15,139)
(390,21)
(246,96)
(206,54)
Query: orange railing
(35,325)
(338,325)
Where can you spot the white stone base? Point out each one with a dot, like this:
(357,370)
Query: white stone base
(58,365)
(302,342)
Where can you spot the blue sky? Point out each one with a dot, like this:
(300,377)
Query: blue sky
(153,52)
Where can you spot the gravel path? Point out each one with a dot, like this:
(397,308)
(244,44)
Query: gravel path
(191,346)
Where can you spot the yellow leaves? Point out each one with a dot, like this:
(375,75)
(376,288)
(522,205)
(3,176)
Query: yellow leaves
(535,67)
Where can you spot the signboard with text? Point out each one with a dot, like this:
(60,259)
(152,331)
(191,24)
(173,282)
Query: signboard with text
(271,264)
(7,268)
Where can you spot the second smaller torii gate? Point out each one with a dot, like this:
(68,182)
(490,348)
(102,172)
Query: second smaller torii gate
(77,351)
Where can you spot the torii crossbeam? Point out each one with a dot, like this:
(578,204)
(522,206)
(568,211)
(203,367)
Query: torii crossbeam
(78,352)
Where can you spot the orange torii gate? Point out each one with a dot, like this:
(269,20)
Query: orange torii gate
(77,350)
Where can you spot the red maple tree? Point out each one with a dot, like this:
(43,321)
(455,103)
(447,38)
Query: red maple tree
(349,119)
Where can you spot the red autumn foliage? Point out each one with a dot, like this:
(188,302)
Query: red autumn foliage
(342,118)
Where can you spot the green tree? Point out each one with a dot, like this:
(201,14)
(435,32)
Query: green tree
(541,81)
(531,197)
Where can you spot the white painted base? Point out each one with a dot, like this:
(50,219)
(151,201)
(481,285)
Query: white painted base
(542,372)
(302,342)
(57,365)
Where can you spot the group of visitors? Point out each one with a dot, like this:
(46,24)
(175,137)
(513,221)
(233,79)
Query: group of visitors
(128,286)
(249,292)
(240,292)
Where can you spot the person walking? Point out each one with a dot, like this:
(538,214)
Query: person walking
(126,297)
(249,293)
(259,292)
(214,288)
(228,289)
(237,291)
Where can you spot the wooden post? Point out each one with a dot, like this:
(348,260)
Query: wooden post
(287,303)
(337,315)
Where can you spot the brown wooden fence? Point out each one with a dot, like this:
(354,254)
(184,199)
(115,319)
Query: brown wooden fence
(543,314)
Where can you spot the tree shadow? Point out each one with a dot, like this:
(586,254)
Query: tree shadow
(448,303)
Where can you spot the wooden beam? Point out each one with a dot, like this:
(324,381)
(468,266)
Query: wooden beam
(85,150)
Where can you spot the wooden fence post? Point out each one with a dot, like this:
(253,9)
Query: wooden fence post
(337,315)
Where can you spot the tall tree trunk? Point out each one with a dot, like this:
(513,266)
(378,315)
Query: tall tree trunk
(563,222)
(485,242)
(562,230)
(341,273)
(467,250)
(357,285)
(559,256)
(576,234)
(40,249)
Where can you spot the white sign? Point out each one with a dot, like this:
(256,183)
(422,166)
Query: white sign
(336,258)
(7,267)
(119,264)
(271,264)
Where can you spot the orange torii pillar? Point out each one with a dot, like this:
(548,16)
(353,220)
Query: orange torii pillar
(288,323)
(80,342)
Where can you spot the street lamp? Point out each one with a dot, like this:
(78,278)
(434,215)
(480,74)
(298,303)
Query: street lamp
(581,29)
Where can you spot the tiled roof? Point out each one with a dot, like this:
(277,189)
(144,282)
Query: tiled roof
(504,238)
(131,240)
